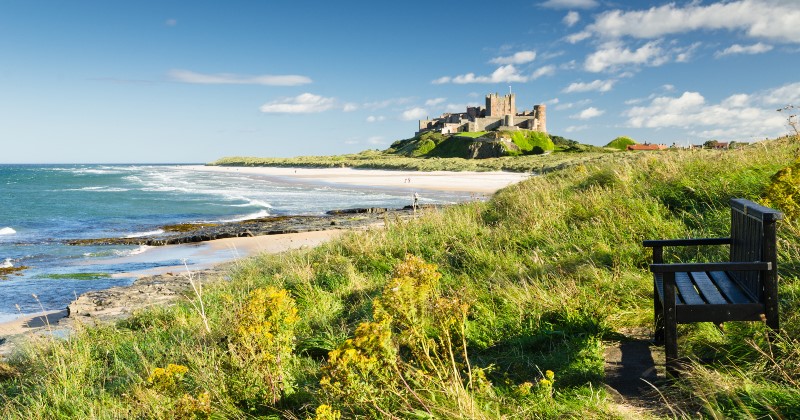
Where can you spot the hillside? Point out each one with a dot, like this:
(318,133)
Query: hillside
(482,310)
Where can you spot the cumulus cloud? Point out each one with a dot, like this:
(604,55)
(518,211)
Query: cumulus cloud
(416,113)
(548,70)
(588,113)
(435,101)
(570,4)
(594,86)
(349,107)
(521,57)
(613,55)
(373,118)
(757,48)
(737,116)
(302,104)
(777,20)
(503,74)
(571,18)
(187,76)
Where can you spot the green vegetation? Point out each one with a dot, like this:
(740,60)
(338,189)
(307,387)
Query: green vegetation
(532,142)
(473,135)
(432,151)
(482,310)
(621,143)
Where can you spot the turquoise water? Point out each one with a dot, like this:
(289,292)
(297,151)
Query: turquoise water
(42,206)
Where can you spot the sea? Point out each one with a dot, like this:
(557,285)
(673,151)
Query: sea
(43,206)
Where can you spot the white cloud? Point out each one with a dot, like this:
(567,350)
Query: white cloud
(415,113)
(668,87)
(570,4)
(349,107)
(578,37)
(571,18)
(435,101)
(373,118)
(594,86)
(588,113)
(757,48)
(187,76)
(503,74)
(301,104)
(521,57)
(784,95)
(777,20)
(735,117)
(570,105)
(548,70)
(613,55)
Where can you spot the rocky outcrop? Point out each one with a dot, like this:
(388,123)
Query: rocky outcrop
(490,148)
(273,225)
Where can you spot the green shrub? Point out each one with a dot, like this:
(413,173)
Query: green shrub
(783,192)
(621,143)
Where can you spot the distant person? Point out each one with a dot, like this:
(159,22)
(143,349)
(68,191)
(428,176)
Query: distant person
(416,202)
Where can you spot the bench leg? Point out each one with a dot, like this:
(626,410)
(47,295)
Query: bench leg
(658,317)
(670,326)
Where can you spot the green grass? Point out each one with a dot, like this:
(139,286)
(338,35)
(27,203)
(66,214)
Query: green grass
(473,135)
(550,269)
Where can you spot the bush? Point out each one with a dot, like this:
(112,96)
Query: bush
(784,191)
(621,143)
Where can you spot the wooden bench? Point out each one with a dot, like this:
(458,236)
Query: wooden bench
(743,289)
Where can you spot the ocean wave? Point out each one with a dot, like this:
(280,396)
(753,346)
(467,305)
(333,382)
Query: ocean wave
(257,215)
(7,231)
(129,252)
(98,189)
(148,233)
(7,263)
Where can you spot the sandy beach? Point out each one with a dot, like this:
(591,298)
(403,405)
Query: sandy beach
(476,182)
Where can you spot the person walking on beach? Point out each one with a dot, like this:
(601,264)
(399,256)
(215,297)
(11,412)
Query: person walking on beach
(416,201)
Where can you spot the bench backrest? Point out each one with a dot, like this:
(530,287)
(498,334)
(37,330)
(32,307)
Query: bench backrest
(753,239)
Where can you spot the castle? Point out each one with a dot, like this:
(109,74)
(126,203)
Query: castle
(500,114)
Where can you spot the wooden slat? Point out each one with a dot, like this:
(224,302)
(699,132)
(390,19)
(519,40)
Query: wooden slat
(708,289)
(687,290)
(731,290)
(660,287)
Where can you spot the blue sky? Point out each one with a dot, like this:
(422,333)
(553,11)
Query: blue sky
(147,81)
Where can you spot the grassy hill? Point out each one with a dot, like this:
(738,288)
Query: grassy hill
(481,310)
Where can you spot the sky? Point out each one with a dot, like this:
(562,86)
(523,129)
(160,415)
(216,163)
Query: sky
(97,81)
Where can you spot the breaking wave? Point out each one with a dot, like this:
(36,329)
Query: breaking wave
(7,231)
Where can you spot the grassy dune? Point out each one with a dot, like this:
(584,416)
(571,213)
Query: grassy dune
(482,310)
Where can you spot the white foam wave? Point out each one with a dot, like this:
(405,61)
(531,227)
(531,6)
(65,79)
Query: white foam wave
(148,233)
(7,263)
(7,231)
(258,215)
(98,189)
(129,252)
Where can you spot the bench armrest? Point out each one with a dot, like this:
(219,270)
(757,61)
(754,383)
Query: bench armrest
(686,242)
(697,267)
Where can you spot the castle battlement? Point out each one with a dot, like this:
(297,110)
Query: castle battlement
(499,114)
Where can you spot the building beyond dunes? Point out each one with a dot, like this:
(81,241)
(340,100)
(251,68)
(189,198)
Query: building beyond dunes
(500,114)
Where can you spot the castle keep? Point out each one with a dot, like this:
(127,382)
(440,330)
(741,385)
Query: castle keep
(500,114)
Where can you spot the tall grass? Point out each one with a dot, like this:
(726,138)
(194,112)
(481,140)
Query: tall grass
(546,272)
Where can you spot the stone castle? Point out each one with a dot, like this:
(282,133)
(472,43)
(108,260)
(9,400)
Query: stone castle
(500,114)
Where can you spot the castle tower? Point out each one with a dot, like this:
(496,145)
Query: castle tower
(498,107)
(540,113)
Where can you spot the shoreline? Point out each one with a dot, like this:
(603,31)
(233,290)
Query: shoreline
(159,286)
(210,255)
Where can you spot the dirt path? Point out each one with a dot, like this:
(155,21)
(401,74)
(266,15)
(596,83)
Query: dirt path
(634,370)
